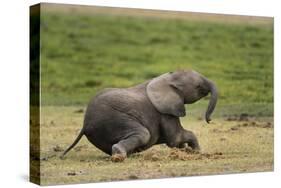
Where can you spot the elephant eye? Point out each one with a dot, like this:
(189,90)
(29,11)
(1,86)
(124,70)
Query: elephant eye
(198,86)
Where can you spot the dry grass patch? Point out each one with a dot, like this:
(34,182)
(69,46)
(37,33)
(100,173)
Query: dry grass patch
(223,150)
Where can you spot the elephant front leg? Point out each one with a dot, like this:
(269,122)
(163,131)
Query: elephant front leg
(175,135)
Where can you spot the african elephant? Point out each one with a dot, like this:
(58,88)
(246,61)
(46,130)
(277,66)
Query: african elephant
(121,121)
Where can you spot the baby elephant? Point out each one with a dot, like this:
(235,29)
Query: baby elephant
(123,121)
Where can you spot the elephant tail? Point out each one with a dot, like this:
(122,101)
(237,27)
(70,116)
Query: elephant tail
(74,143)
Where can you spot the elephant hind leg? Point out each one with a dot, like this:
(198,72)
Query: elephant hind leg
(138,138)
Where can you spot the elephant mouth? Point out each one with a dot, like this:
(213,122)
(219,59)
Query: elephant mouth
(203,92)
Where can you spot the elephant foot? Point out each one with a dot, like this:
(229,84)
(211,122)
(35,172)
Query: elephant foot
(117,158)
(186,148)
(190,150)
(119,154)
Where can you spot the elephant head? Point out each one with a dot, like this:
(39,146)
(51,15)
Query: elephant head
(169,92)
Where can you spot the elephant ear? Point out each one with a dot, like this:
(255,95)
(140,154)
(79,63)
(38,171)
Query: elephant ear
(164,96)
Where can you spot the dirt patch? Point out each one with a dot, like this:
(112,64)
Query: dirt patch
(57,148)
(244,122)
(230,130)
(255,124)
(239,117)
(46,158)
(152,157)
(74,173)
(182,154)
(179,154)
(234,128)
(79,111)
(71,173)
(216,130)
(133,177)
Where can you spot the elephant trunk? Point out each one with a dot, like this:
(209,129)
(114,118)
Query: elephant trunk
(212,102)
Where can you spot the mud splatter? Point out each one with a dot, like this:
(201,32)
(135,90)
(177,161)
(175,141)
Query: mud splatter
(57,148)
(71,173)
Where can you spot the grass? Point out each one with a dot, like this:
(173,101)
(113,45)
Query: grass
(226,147)
(84,52)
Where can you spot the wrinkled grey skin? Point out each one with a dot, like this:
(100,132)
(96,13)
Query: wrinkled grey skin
(124,121)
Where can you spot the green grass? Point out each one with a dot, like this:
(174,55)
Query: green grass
(83,53)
